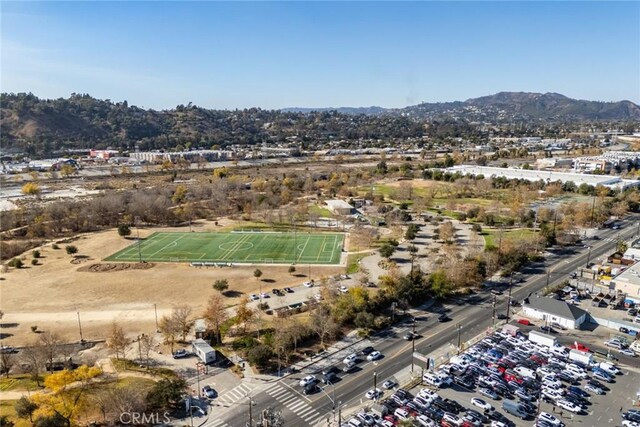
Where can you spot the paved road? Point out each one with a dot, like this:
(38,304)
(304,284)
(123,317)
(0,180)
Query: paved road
(472,317)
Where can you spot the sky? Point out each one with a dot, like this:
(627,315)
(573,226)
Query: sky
(267,54)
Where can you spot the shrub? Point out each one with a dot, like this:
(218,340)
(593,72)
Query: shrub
(124,230)
(34,262)
(71,249)
(54,246)
(34,328)
(15,262)
(36,254)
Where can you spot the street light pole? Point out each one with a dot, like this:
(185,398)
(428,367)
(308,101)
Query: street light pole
(155,309)
(459,338)
(493,314)
(375,380)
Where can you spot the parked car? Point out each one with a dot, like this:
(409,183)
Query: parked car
(179,354)
(443,318)
(308,284)
(488,392)
(330,378)
(350,358)
(525,322)
(594,388)
(389,384)
(288,290)
(485,406)
(558,326)
(628,352)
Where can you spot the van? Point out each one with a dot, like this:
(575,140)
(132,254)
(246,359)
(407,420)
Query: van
(514,408)
(609,368)
(431,380)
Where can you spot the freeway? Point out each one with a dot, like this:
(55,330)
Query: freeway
(470,317)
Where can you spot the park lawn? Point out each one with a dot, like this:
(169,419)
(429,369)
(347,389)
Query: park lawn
(492,236)
(353,260)
(20,382)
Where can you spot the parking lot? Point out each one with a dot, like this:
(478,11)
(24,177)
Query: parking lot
(481,368)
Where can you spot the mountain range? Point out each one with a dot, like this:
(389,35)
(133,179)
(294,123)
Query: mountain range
(506,106)
(41,127)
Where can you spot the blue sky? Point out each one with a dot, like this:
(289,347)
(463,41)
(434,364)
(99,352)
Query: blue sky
(319,54)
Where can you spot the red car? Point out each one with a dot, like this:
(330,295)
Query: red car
(539,359)
(512,376)
(577,346)
(525,322)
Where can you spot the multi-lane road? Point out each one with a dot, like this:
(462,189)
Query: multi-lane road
(469,318)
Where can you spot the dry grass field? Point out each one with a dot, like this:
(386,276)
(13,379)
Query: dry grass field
(51,294)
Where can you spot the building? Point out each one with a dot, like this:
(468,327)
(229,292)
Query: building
(339,207)
(552,310)
(191,156)
(103,154)
(613,182)
(628,283)
(204,351)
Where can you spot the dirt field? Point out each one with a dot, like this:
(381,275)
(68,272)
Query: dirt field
(51,294)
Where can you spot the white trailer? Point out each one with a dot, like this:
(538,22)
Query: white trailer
(542,339)
(581,357)
(204,351)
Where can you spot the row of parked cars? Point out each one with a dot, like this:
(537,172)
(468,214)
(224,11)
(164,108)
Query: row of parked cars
(508,369)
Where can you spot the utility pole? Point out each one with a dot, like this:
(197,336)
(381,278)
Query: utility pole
(340,413)
(250,411)
(509,299)
(546,287)
(588,258)
(138,237)
(155,309)
(80,327)
(458,338)
(413,343)
(375,380)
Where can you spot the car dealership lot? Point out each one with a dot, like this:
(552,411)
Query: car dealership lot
(599,410)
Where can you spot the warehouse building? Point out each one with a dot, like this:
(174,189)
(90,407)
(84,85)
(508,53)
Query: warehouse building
(552,310)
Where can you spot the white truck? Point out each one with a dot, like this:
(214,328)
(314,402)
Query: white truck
(542,339)
(581,357)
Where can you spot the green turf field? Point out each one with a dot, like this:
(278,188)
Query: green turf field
(238,247)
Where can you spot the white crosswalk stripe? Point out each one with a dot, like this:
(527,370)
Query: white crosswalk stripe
(293,403)
(233,395)
(217,423)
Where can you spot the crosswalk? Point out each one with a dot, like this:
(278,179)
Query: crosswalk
(232,396)
(294,403)
(217,423)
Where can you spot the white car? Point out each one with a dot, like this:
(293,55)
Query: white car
(254,297)
(628,352)
(389,384)
(427,393)
(452,419)
(374,355)
(481,404)
(498,424)
(615,344)
(343,289)
(309,379)
(570,406)
(374,393)
(264,295)
(308,284)
(350,359)
(629,423)
(545,416)
(425,421)
(592,388)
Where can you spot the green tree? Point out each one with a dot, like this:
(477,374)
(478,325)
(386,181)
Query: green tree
(166,394)
(387,250)
(260,355)
(124,230)
(25,408)
(71,249)
(440,284)
(221,285)
(292,269)
(257,273)
(5,421)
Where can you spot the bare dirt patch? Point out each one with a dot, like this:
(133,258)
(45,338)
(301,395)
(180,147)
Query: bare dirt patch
(51,294)
(117,266)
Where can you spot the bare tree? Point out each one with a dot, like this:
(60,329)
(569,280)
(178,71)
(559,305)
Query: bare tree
(117,340)
(215,315)
(169,330)
(146,345)
(51,345)
(181,316)
(114,401)
(7,361)
(36,358)
(323,324)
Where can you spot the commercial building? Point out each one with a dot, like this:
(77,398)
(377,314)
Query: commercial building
(613,182)
(628,283)
(339,207)
(191,156)
(552,310)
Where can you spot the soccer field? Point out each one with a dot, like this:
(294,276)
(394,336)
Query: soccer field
(239,247)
